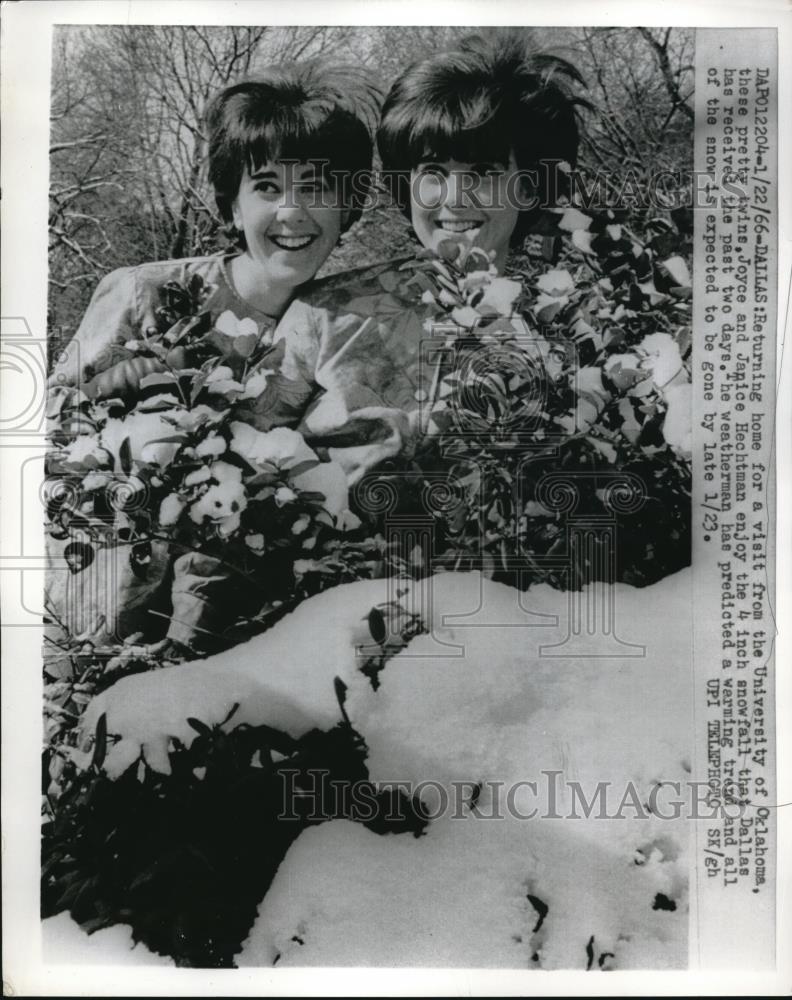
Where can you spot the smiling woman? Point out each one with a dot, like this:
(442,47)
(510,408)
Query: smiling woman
(471,141)
(290,217)
(465,202)
(283,149)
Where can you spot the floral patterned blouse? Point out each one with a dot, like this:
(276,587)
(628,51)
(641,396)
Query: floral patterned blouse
(112,599)
(125,305)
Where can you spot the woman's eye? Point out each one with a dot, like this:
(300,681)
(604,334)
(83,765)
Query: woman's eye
(312,186)
(486,169)
(431,171)
(266,187)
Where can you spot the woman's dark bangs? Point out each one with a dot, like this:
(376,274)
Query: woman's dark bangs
(489,142)
(294,138)
(267,141)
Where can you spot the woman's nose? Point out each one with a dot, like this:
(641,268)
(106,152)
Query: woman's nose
(458,189)
(292,204)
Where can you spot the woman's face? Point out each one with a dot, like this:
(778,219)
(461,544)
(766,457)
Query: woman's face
(291,219)
(471,203)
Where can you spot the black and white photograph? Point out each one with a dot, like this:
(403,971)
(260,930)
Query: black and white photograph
(395,551)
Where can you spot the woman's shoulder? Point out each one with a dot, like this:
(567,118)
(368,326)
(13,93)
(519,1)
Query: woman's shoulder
(336,291)
(180,270)
(133,280)
(329,310)
(191,282)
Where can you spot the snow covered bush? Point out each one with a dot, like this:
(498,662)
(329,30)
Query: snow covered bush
(509,892)
(471,698)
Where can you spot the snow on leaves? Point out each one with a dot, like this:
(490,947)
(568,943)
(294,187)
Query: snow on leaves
(156,447)
(582,365)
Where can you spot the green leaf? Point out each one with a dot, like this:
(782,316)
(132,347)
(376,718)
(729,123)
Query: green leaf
(341,693)
(267,478)
(200,727)
(195,286)
(157,378)
(171,439)
(100,747)
(551,248)
(78,555)
(376,625)
(97,923)
(197,386)
(59,667)
(69,886)
(301,467)
(245,344)
(422,281)
(389,281)
(659,224)
(476,260)
(676,268)
(274,739)
(159,868)
(125,456)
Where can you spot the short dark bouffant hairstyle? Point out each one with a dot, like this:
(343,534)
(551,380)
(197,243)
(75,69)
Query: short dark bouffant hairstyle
(306,112)
(478,102)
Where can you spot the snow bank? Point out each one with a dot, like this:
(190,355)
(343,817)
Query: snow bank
(458,897)
(614,888)
(480,699)
(64,942)
(283,678)
(505,710)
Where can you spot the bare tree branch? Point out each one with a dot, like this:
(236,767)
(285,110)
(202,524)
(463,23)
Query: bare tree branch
(660,50)
(87,140)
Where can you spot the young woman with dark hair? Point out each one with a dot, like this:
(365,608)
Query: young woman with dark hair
(282,149)
(470,142)
(496,119)
(303,128)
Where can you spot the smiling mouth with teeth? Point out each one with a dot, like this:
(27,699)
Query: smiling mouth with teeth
(292,242)
(454,226)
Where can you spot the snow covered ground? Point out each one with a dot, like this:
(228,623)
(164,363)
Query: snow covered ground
(65,943)
(494,697)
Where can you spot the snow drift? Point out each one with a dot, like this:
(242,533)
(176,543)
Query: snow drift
(492,698)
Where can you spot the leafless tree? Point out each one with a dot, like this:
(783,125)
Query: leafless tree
(640,82)
(128,150)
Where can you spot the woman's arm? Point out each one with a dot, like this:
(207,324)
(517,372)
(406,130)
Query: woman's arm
(110,320)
